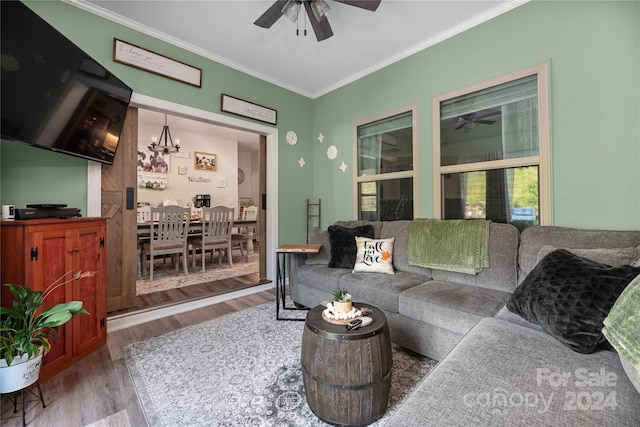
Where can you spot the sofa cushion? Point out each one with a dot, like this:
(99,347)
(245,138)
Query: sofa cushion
(399,230)
(316,235)
(374,255)
(503,374)
(343,244)
(532,239)
(451,306)
(380,290)
(569,296)
(321,277)
(613,256)
(503,262)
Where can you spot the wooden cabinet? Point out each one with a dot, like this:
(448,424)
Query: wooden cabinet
(37,253)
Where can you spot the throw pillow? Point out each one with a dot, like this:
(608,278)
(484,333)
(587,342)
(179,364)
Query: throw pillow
(343,244)
(569,297)
(621,328)
(374,256)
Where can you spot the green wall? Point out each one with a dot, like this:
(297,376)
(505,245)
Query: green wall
(294,113)
(594,53)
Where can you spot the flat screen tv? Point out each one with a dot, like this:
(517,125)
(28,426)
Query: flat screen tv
(54,95)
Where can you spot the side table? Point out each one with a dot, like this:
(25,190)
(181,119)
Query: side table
(283,267)
(346,373)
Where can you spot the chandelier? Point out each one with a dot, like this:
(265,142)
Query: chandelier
(156,144)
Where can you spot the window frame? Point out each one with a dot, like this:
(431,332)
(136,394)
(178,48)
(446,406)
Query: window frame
(542,160)
(412,173)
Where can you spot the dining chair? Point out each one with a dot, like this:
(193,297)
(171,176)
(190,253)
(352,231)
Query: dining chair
(168,236)
(217,223)
(245,233)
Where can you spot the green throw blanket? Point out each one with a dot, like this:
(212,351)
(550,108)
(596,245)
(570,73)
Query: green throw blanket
(461,246)
(622,325)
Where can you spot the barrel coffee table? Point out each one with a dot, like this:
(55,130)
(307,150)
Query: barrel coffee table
(347,374)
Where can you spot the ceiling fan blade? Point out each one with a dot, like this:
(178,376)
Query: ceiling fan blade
(486,122)
(461,126)
(322,29)
(271,15)
(371,5)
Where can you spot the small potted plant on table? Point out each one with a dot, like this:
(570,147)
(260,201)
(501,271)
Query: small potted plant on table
(342,301)
(25,330)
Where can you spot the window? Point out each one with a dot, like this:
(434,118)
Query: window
(384,176)
(491,150)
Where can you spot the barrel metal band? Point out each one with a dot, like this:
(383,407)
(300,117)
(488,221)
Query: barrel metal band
(342,337)
(347,387)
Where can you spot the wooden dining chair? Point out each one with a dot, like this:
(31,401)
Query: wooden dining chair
(247,232)
(168,236)
(217,223)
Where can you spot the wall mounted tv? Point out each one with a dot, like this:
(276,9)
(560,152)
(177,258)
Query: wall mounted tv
(54,95)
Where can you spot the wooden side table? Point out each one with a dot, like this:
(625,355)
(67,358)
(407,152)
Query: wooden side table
(283,267)
(346,373)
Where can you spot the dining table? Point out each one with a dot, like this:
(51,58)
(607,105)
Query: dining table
(143,232)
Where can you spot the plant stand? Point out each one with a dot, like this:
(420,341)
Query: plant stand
(14,400)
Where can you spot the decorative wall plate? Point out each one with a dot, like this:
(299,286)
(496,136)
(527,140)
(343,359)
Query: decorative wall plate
(332,152)
(291,137)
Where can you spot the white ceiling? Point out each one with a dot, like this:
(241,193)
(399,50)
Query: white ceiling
(363,41)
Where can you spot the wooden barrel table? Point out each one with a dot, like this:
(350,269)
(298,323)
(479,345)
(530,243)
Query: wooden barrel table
(347,374)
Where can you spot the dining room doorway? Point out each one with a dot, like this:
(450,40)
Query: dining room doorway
(255,143)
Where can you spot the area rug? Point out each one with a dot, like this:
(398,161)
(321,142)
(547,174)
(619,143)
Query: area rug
(241,369)
(166,277)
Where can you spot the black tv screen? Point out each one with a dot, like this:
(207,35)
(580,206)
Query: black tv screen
(54,95)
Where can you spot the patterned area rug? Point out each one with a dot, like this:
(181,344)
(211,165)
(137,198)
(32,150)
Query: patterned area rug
(241,369)
(166,277)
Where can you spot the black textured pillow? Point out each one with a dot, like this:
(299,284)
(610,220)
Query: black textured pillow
(569,296)
(343,244)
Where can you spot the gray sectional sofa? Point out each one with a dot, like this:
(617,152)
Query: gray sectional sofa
(495,367)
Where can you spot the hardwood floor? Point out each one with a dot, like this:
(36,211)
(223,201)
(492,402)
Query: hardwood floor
(189,293)
(100,385)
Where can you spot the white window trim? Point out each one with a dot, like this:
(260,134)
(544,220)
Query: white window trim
(542,160)
(391,175)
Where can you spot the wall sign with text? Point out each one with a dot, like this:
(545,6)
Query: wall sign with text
(137,57)
(253,111)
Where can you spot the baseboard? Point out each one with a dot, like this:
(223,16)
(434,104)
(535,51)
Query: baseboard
(120,322)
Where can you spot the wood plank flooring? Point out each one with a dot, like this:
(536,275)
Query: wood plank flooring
(100,385)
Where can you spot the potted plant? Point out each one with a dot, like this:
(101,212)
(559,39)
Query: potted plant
(342,301)
(25,330)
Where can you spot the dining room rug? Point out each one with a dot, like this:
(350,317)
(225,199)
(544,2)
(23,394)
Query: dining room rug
(166,277)
(240,369)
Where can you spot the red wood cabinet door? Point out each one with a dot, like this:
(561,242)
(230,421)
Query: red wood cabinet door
(89,331)
(53,263)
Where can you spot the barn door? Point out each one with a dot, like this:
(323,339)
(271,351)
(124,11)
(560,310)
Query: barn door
(119,205)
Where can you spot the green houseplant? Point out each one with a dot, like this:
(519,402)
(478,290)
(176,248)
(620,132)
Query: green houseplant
(342,301)
(26,327)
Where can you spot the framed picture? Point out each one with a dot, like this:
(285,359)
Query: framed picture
(152,161)
(152,62)
(205,162)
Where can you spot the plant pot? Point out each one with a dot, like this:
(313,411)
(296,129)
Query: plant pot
(22,373)
(342,307)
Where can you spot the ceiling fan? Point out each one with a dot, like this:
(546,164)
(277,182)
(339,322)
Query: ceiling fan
(468,121)
(316,10)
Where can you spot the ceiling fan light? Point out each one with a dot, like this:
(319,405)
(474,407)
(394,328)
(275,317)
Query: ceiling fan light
(320,9)
(291,10)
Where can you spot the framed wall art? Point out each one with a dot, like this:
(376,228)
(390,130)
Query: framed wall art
(253,111)
(137,57)
(152,161)
(205,162)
